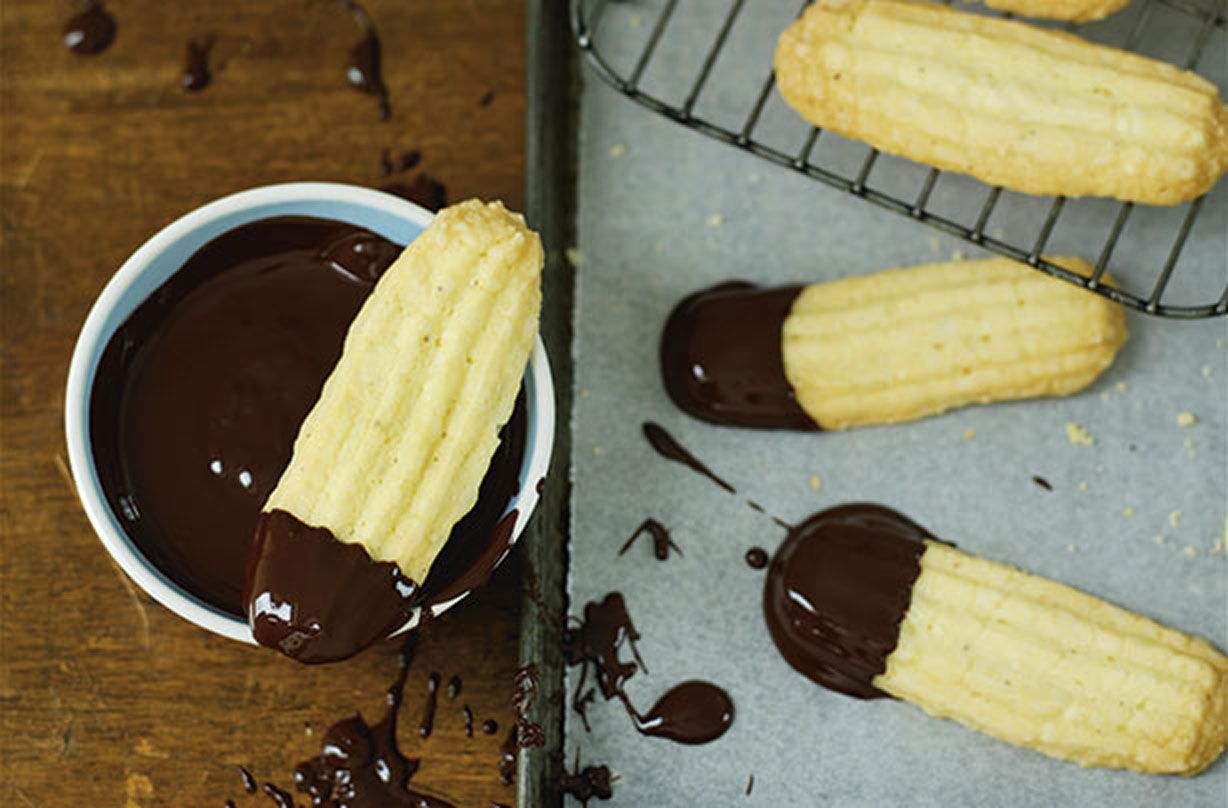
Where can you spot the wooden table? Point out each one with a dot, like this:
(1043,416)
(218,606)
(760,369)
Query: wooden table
(106,698)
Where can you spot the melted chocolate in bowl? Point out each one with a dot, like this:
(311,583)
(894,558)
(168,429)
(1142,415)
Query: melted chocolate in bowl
(198,397)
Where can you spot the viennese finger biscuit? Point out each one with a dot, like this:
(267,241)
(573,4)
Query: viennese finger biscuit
(1071,10)
(392,454)
(1029,109)
(893,346)
(866,602)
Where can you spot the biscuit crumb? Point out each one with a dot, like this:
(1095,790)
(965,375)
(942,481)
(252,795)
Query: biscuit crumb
(958,255)
(1158,538)
(574,256)
(1206,371)
(815,482)
(1083,485)
(1190,551)
(1071,548)
(1077,435)
(1127,511)
(636,20)
(1121,387)
(618,150)
(1186,419)
(969,434)
(596,451)
(716,220)
(1174,518)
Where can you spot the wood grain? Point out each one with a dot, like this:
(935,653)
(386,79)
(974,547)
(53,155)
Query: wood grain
(105,697)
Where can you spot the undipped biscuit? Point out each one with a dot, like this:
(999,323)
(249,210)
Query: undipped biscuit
(1028,109)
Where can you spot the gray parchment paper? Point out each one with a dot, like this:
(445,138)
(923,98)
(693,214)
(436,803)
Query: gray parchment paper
(1135,518)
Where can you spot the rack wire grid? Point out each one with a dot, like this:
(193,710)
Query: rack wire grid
(687,61)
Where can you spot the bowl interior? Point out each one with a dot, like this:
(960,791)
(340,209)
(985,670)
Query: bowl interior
(161,256)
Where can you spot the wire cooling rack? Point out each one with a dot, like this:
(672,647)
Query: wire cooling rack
(627,41)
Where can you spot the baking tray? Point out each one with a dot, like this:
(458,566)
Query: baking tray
(662,211)
(549,194)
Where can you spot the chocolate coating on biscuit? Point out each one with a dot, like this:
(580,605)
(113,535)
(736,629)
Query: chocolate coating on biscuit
(721,357)
(837,591)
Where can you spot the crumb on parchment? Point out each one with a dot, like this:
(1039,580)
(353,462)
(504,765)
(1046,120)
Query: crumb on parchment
(618,150)
(969,434)
(574,256)
(716,220)
(1186,419)
(1127,511)
(1190,551)
(815,482)
(1083,485)
(1077,435)
(1174,518)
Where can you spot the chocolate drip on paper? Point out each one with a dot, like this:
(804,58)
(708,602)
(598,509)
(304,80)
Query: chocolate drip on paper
(692,712)
(721,357)
(665,445)
(756,558)
(837,591)
(662,542)
(586,783)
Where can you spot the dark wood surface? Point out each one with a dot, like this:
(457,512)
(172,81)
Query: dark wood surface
(107,699)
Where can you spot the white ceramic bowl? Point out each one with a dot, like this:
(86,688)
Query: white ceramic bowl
(159,258)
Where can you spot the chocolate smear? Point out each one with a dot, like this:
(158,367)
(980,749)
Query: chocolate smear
(280,797)
(360,766)
(750,784)
(196,75)
(90,31)
(666,446)
(1043,483)
(249,782)
(487,99)
(364,70)
(409,159)
(662,542)
(507,757)
(423,190)
(756,558)
(432,703)
(838,589)
(721,357)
